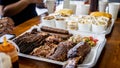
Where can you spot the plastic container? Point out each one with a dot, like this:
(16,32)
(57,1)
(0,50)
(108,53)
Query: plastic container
(98,28)
(8,47)
(72,25)
(61,23)
(5,61)
(84,27)
(48,21)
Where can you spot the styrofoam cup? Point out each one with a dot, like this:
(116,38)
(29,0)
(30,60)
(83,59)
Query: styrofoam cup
(84,27)
(113,9)
(102,6)
(50,6)
(98,28)
(49,23)
(61,24)
(84,9)
(73,7)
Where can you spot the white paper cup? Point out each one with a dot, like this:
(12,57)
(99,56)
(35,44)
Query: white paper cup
(113,9)
(61,24)
(73,7)
(66,4)
(98,28)
(84,27)
(102,6)
(49,23)
(84,9)
(50,6)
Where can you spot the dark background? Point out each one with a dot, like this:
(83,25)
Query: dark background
(114,1)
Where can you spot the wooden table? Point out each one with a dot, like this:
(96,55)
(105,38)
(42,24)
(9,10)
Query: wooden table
(110,56)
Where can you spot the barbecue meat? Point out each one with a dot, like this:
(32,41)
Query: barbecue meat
(53,39)
(61,52)
(6,26)
(63,36)
(34,31)
(72,62)
(28,41)
(45,50)
(77,54)
(81,49)
(54,30)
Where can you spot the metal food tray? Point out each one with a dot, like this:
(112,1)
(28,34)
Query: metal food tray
(89,61)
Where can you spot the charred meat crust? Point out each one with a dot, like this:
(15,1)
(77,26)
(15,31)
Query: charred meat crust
(54,30)
(77,54)
(28,41)
(61,51)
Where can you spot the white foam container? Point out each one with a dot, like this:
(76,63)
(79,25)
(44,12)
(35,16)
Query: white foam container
(49,23)
(61,24)
(99,30)
(84,27)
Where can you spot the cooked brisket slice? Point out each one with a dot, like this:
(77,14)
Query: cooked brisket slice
(28,41)
(81,49)
(61,52)
(54,30)
(45,50)
(72,63)
(63,36)
(53,39)
(49,46)
(77,54)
